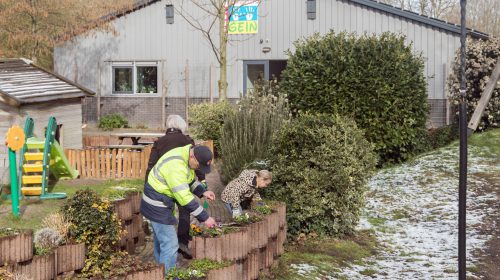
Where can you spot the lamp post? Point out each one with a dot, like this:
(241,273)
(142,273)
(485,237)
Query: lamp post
(462,185)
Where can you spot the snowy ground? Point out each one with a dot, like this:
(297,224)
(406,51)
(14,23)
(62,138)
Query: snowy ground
(413,210)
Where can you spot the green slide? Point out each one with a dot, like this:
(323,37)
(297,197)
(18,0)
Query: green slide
(38,159)
(59,165)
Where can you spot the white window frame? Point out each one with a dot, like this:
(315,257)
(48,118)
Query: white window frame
(134,65)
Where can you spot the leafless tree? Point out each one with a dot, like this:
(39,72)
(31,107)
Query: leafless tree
(30,28)
(210,17)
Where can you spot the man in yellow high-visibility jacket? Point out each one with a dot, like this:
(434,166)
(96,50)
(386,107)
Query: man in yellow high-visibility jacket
(172,179)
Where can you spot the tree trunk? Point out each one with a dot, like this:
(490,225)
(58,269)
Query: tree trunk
(222,55)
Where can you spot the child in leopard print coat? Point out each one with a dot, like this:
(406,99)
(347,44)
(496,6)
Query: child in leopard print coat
(244,188)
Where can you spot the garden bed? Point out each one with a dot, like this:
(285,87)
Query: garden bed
(15,245)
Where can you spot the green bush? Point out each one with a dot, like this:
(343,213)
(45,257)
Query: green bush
(93,222)
(378,81)
(111,121)
(321,164)
(435,138)
(246,134)
(481,58)
(207,119)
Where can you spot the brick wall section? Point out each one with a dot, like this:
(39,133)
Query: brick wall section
(147,110)
(138,110)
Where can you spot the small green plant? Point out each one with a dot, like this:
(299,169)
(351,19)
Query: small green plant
(115,193)
(247,218)
(196,270)
(211,232)
(207,119)
(264,210)
(8,231)
(94,223)
(111,121)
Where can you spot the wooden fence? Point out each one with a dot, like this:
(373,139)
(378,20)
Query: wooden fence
(109,163)
(104,163)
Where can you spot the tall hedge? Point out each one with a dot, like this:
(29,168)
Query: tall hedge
(377,80)
(321,164)
(481,58)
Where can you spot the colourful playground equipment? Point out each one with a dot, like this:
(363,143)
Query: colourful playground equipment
(38,158)
(14,140)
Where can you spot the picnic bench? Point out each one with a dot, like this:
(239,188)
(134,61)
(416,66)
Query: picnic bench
(128,147)
(136,136)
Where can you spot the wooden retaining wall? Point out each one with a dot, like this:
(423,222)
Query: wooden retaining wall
(16,248)
(256,247)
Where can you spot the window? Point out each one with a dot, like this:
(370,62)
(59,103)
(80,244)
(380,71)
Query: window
(135,77)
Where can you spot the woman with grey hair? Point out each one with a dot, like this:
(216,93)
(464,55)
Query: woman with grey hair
(174,138)
(176,122)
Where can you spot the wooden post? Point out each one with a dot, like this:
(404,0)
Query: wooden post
(485,98)
(186,87)
(211,86)
(163,94)
(99,93)
(119,169)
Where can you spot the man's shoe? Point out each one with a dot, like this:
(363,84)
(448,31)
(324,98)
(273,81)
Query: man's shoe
(185,251)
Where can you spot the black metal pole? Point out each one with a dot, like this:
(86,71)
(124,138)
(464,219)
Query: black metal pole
(462,192)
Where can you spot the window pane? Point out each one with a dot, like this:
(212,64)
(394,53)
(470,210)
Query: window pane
(122,80)
(147,79)
(255,72)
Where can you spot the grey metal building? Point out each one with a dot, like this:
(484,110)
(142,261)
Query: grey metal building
(140,71)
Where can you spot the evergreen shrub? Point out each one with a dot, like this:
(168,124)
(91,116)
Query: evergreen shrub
(94,223)
(321,164)
(481,58)
(111,121)
(207,119)
(376,80)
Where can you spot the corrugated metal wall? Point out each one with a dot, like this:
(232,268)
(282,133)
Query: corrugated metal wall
(144,35)
(8,116)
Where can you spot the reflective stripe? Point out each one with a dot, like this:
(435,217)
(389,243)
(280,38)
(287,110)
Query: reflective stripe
(159,177)
(194,185)
(180,188)
(156,170)
(197,211)
(153,202)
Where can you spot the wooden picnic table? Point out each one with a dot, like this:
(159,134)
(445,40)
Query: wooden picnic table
(136,136)
(126,147)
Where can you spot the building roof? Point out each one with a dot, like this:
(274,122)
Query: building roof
(138,4)
(454,28)
(434,22)
(22,82)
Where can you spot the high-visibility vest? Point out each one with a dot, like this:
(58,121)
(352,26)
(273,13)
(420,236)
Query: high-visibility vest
(172,175)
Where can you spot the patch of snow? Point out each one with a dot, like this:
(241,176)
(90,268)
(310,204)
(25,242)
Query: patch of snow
(413,209)
(304,268)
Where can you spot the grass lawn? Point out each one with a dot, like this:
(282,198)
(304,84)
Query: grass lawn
(320,257)
(33,210)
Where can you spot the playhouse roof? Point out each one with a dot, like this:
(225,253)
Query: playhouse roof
(22,82)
